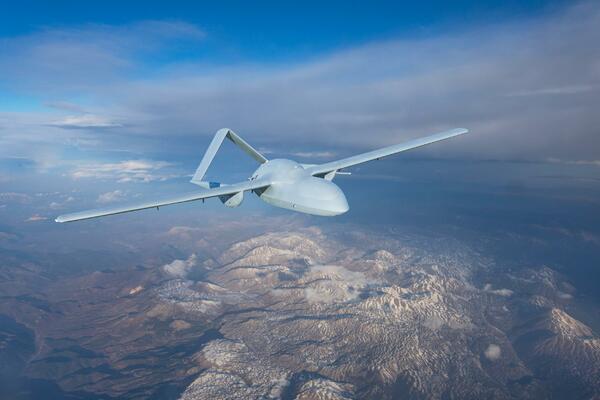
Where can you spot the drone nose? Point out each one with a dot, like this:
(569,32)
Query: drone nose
(340,204)
(335,201)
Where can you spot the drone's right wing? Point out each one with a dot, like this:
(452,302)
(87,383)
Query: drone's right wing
(225,190)
(322,169)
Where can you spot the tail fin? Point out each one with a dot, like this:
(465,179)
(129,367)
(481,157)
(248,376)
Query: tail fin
(214,147)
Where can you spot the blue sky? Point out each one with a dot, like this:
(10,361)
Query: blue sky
(268,31)
(271,29)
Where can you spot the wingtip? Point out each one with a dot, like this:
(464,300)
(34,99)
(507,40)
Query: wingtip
(59,219)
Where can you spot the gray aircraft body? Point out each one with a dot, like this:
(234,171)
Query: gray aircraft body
(306,188)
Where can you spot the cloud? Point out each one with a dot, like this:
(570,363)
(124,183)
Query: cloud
(36,218)
(527,89)
(60,203)
(125,171)
(85,121)
(180,268)
(574,89)
(110,197)
(136,290)
(344,99)
(503,292)
(65,105)
(499,292)
(564,296)
(314,154)
(14,197)
(27,136)
(83,56)
(492,352)
(77,65)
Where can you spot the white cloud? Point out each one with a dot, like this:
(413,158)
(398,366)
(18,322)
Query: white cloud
(344,99)
(85,121)
(14,197)
(314,154)
(36,218)
(563,90)
(503,292)
(499,292)
(136,290)
(78,62)
(492,352)
(85,56)
(65,105)
(125,171)
(482,77)
(56,205)
(110,197)
(180,268)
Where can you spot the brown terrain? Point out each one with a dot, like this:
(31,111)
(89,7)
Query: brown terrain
(299,314)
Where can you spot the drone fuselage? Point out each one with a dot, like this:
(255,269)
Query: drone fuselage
(294,188)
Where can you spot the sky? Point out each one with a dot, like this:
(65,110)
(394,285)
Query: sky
(109,102)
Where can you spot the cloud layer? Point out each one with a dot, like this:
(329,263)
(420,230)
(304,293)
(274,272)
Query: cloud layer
(492,352)
(527,89)
(124,171)
(180,268)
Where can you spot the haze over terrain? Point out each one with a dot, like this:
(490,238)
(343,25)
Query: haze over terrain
(467,269)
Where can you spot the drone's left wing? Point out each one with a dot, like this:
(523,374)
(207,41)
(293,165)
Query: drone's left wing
(322,169)
(198,195)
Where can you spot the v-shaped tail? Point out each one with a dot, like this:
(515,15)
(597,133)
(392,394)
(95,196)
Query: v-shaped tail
(214,147)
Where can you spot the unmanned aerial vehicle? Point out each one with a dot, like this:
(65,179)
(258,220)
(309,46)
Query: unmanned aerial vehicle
(306,188)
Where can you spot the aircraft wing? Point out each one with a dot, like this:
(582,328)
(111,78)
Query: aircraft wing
(322,169)
(182,198)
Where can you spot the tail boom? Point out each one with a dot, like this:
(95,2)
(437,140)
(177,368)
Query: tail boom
(214,146)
